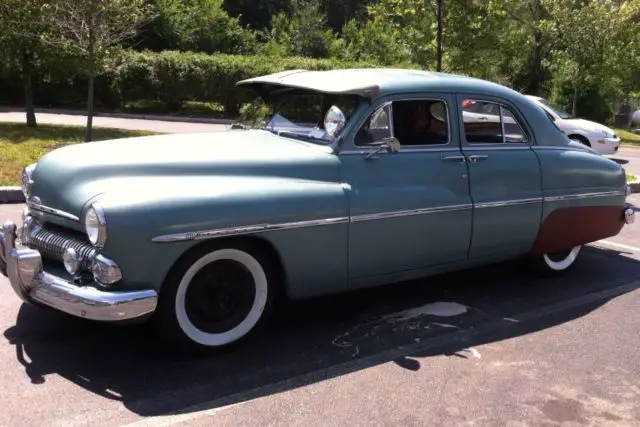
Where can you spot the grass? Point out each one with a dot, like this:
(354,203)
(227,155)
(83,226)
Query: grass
(627,137)
(21,145)
(631,178)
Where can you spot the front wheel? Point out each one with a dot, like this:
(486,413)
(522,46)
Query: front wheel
(558,262)
(215,297)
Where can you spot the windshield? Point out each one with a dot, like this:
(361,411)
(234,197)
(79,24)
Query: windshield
(562,114)
(301,114)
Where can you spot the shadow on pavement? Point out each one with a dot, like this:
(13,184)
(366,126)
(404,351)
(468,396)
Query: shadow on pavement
(316,340)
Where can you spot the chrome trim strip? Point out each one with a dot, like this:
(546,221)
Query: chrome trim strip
(234,231)
(508,203)
(409,212)
(52,211)
(583,196)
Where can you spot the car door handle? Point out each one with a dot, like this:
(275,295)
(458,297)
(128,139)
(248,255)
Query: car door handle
(459,159)
(475,157)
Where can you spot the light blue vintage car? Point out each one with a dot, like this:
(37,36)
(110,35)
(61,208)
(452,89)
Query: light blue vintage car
(359,178)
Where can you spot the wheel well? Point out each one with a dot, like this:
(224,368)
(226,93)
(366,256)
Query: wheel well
(580,138)
(262,246)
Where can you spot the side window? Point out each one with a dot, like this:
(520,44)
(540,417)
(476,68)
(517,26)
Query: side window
(412,122)
(377,128)
(513,132)
(489,122)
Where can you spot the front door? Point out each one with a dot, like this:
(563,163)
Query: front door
(409,209)
(505,177)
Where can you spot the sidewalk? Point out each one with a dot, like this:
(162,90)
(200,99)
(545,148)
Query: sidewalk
(152,123)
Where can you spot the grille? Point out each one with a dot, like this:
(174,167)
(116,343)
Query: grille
(52,241)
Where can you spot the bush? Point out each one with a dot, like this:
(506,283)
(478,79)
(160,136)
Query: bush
(170,78)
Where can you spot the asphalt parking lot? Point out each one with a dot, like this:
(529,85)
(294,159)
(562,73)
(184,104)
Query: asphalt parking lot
(491,345)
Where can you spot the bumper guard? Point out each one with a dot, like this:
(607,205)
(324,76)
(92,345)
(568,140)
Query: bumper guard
(23,267)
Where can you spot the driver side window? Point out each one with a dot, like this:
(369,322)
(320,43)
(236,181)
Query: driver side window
(413,122)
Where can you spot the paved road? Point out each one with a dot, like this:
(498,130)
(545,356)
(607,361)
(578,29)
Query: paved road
(117,123)
(490,345)
(629,158)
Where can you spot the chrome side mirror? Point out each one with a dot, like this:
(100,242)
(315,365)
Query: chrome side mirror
(334,121)
(391,144)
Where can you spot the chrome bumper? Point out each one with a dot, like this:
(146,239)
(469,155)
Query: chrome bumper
(629,215)
(23,267)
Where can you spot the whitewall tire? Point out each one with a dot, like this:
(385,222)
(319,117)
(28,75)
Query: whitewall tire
(215,297)
(559,262)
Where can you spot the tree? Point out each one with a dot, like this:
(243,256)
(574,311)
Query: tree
(19,19)
(91,29)
(586,37)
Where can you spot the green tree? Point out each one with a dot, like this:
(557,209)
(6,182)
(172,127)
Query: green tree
(19,50)
(586,37)
(92,30)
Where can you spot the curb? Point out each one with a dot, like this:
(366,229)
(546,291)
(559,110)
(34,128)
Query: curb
(183,119)
(11,195)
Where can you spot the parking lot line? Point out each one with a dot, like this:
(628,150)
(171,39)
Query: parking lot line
(619,245)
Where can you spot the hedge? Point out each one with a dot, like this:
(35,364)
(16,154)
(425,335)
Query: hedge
(168,77)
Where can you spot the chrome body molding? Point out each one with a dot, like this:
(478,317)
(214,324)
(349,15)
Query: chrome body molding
(583,196)
(23,267)
(46,209)
(409,212)
(503,203)
(248,229)
(234,231)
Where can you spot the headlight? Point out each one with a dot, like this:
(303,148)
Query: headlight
(607,134)
(95,225)
(26,180)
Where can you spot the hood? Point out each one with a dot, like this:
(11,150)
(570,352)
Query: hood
(586,125)
(67,178)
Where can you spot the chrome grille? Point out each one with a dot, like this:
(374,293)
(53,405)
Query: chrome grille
(52,241)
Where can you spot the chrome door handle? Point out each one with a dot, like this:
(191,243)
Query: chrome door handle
(475,157)
(459,159)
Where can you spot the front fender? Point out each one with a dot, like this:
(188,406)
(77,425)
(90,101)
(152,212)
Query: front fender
(150,225)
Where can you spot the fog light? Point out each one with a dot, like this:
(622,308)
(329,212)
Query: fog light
(71,261)
(105,271)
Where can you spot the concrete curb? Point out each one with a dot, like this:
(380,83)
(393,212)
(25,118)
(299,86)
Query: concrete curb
(184,119)
(11,195)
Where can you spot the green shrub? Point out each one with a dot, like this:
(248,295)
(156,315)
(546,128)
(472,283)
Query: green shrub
(166,78)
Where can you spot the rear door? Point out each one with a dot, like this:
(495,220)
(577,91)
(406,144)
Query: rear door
(505,176)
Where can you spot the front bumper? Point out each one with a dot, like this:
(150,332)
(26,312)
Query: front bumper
(605,145)
(23,266)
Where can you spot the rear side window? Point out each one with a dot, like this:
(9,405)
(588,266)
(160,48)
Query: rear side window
(488,122)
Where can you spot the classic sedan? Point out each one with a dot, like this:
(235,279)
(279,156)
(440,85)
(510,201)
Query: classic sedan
(358,178)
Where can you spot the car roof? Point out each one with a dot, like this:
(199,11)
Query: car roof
(373,82)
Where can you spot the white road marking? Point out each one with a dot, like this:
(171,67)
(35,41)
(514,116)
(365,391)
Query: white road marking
(440,309)
(619,245)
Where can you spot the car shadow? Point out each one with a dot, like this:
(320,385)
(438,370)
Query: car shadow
(315,340)
(619,160)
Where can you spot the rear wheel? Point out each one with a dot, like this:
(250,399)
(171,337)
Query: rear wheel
(215,297)
(557,262)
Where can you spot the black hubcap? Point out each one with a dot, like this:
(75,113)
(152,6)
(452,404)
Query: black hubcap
(220,296)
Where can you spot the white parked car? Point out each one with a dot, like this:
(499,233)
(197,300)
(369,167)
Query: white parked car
(599,137)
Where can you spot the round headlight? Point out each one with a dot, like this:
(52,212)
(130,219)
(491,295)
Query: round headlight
(95,225)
